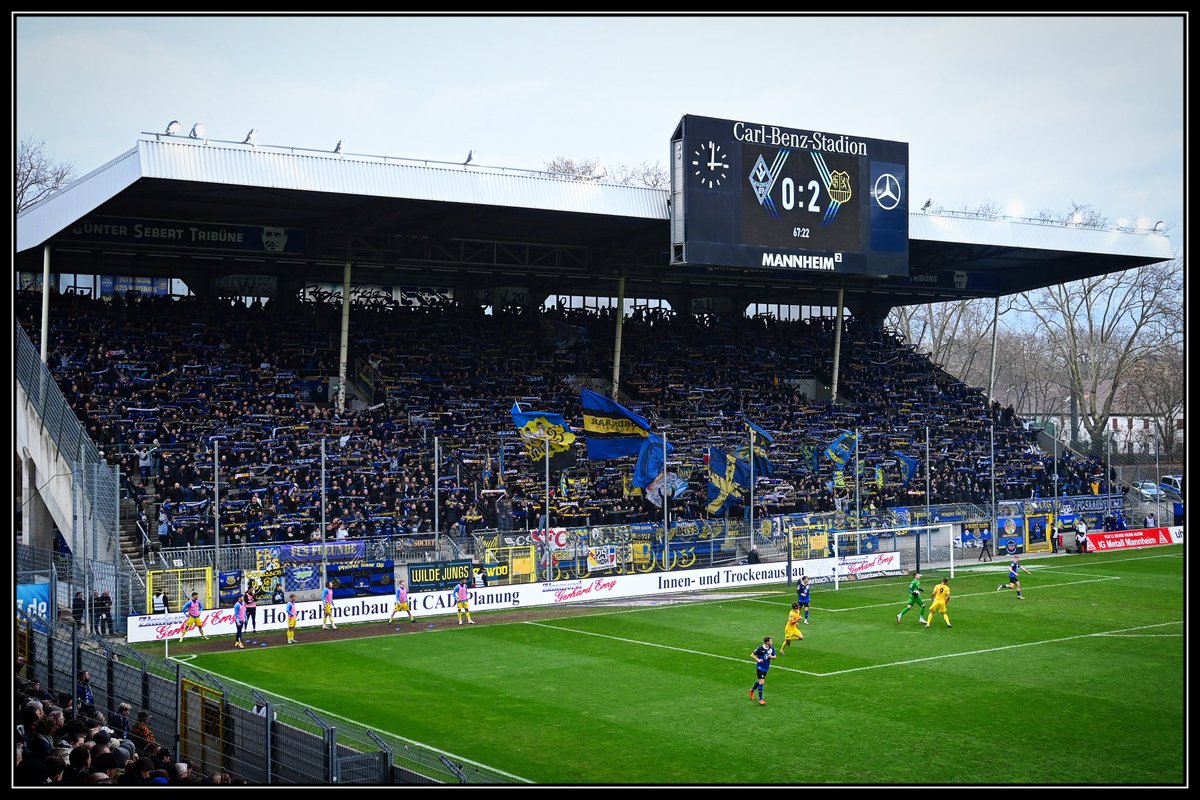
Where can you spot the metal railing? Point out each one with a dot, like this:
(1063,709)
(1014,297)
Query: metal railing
(216,725)
(94,482)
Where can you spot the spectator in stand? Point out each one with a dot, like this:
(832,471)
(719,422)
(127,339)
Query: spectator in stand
(120,721)
(83,692)
(105,604)
(141,734)
(78,607)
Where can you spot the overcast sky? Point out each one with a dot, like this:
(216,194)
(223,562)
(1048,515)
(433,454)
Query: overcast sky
(1028,113)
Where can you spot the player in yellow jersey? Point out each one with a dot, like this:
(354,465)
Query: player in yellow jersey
(791,631)
(941,599)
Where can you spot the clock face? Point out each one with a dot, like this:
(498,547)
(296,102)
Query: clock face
(710,164)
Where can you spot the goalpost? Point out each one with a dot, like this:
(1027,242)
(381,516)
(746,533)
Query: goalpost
(842,556)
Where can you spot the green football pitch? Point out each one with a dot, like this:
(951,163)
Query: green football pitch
(1080,683)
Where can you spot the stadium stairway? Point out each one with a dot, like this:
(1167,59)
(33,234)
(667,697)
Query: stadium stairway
(132,546)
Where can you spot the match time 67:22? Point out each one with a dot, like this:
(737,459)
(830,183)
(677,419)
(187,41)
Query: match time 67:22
(800,233)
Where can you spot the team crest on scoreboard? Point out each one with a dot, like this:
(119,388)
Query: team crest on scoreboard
(839,186)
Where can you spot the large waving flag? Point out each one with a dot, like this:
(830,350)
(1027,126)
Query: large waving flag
(763,468)
(650,464)
(841,449)
(908,467)
(727,479)
(612,430)
(534,426)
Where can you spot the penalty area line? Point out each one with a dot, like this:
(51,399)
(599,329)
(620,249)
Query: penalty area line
(1100,634)
(667,647)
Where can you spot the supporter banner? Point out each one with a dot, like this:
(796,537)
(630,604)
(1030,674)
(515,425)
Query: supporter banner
(334,551)
(245,285)
(312,391)
(219,622)
(229,586)
(302,577)
(1011,536)
(121,284)
(355,580)
(437,575)
(35,597)
(174,233)
(601,558)
(503,296)
(1125,540)
(262,582)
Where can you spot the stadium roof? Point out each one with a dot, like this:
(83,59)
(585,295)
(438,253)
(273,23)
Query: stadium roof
(463,226)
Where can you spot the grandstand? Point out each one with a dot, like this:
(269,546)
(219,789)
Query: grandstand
(190,389)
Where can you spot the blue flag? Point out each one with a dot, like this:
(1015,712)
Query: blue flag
(650,461)
(842,448)
(727,479)
(612,430)
(758,457)
(535,426)
(908,467)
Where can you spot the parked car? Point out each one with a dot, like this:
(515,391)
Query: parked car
(1172,485)
(1148,491)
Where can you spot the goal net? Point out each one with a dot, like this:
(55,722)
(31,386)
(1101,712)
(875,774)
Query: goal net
(839,556)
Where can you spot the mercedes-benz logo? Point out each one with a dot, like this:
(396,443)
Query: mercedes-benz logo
(887,191)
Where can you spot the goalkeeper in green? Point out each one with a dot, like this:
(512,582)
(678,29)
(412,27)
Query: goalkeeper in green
(914,597)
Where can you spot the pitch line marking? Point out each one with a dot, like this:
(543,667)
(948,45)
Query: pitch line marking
(390,733)
(1099,634)
(668,647)
(1111,633)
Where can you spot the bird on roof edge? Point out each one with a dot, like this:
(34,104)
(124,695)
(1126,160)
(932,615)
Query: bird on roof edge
(470,157)
(338,149)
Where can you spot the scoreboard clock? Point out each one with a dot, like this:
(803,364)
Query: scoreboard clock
(748,195)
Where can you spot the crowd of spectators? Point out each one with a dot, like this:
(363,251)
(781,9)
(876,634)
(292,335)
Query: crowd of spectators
(166,386)
(61,741)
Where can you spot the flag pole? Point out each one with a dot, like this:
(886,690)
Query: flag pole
(751,430)
(546,529)
(666,519)
(857,484)
(323,524)
(437,480)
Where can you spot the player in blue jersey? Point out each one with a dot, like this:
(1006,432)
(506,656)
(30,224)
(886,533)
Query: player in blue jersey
(802,596)
(1014,580)
(762,656)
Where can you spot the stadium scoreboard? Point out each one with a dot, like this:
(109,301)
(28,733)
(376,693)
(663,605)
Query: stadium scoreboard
(759,196)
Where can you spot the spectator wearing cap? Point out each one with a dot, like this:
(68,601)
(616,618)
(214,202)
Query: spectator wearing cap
(122,755)
(140,733)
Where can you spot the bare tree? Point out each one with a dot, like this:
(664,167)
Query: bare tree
(38,176)
(1155,388)
(649,175)
(1099,328)
(955,334)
